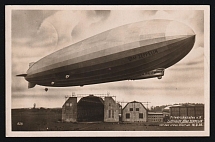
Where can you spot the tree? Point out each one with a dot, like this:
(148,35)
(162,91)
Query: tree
(34,106)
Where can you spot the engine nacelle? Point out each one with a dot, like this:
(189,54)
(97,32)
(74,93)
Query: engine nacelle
(159,77)
(151,74)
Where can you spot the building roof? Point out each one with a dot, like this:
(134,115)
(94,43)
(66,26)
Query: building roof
(187,105)
(134,102)
(68,100)
(167,108)
(152,113)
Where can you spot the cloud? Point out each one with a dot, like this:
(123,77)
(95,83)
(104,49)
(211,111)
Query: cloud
(72,26)
(149,13)
(18,83)
(195,56)
(46,36)
(103,13)
(26,22)
(58,29)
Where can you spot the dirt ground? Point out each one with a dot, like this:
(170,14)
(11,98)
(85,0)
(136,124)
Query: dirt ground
(50,120)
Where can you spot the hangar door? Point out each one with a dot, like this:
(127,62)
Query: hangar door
(90,108)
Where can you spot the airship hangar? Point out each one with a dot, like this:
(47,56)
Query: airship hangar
(97,108)
(122,53)
(91,108)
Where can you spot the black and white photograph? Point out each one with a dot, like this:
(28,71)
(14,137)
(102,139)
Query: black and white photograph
(107,70)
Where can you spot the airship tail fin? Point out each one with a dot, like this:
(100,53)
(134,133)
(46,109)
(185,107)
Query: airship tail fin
(31,85)
(22,75)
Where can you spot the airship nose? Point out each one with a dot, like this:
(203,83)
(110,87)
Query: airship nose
(175,28)
(184,40)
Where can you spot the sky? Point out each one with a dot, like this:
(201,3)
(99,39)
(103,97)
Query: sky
(37,33)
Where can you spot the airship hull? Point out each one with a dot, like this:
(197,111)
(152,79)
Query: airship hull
(119,54)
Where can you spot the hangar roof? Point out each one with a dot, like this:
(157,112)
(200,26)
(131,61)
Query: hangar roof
(90,99)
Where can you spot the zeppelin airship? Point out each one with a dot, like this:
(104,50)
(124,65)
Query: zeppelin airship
(134,51)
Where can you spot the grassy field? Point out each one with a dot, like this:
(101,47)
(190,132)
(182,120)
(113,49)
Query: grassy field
(50,120)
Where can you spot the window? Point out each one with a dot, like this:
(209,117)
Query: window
(183,111)
(112,113)
(140,115)
(70,104)
(109,114)
(137,109)
(191,111)
(127,115)
(67,104)
(199,111)
(131,109)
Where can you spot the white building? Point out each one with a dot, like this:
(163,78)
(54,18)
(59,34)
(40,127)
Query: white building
(134,112)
